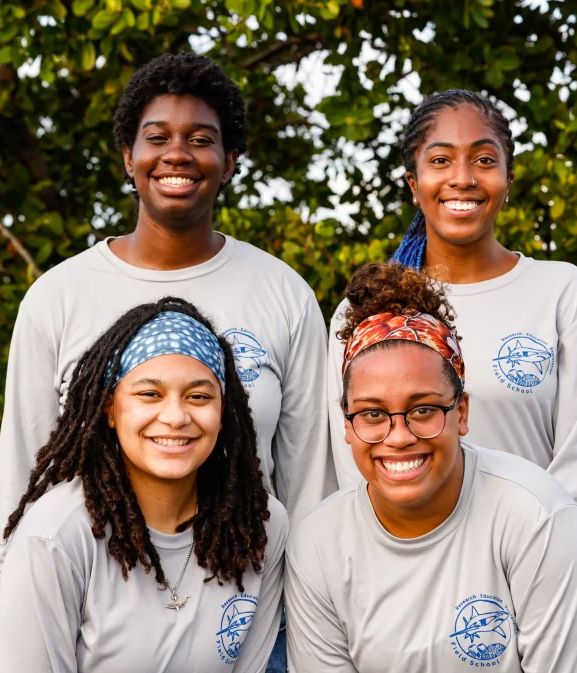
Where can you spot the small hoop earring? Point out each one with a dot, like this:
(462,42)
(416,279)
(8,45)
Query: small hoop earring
(507,198)
(415,201)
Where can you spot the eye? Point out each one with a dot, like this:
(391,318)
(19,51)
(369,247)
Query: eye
(201,141)
(199,398)
(422,413)
(148,394)
(372,416)
(156,139)
(486,160)
(440,161)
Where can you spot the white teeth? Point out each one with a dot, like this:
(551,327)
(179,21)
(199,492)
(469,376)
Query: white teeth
(165,441)
(461,205)
(403,465)
(175,181)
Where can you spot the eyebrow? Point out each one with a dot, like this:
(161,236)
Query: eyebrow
(481,141)
(196,383)
(196,126)
(412,398)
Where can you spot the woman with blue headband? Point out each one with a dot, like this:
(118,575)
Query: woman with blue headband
(517,315)
(158,548)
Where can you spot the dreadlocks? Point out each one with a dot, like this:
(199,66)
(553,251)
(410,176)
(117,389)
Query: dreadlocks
(229,532)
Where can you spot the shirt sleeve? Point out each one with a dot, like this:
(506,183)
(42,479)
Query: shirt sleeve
(543,583)
(263,632)
(40,608)
(304,470)
(564,463)
(30,410)
(316,640)
(346,469)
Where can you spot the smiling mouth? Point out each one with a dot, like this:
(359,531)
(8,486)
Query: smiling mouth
(175,181)
(401,466)
(461,205)
(165,441)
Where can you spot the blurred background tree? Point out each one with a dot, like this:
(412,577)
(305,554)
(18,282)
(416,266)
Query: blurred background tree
(328,84)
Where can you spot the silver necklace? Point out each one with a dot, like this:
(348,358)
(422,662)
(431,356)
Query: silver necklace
(175,603)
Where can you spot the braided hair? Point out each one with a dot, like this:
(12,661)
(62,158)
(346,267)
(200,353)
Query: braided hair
(228,528)
(411,251)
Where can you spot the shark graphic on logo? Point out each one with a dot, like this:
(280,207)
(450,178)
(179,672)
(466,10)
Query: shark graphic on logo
(249,355)
(524,360)
(486,622)
(235,623)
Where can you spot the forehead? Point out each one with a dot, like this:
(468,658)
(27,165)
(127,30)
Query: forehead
(396,372)
(173,368)
(461,125)
(170,108)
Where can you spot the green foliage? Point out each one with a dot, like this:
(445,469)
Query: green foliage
(63,64)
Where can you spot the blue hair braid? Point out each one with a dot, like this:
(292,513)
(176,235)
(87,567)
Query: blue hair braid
(411,251)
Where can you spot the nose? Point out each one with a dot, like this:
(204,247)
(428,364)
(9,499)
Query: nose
(177,152)
(174,412)
(462,174)
(399,436)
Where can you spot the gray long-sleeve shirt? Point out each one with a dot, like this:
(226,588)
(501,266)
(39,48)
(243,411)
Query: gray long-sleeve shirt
(65,608)
(495,585)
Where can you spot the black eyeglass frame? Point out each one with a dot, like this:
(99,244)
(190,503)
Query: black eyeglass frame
(444,409)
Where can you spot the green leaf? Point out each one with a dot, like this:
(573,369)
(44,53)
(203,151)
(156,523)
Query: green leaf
(103,19)
(88,56)
(81,7)
(6,54)
(558,208)
(330,10)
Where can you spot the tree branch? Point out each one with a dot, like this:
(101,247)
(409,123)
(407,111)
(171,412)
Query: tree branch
(311,41)
(21,250)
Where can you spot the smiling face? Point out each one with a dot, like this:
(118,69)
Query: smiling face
(178,162)
(461,179)
(409,479)
(167,415)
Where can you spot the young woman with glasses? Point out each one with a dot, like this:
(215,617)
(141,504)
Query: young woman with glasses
(445,555)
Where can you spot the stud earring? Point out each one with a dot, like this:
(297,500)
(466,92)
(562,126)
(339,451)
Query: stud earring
(415,201)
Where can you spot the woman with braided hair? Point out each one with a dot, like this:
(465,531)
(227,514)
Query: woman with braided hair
(517,315)
(445,556)
(157,547)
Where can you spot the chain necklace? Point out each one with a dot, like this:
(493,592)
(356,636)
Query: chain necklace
(175,603)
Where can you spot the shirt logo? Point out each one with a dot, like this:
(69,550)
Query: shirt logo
(237,615)
(523,362)
(249,355)
(482,630)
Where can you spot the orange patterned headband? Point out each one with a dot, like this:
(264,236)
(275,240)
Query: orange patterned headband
(420,327)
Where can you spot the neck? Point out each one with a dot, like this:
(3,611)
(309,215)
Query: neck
(468,263)
(165,504)
(152,246)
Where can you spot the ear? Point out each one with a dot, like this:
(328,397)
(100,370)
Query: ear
(411,180)
(230,159)
(349,432)
(463,412)
(128,166)
(109,412)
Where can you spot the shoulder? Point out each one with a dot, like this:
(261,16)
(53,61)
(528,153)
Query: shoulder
(60,515)
(551,273)
(53,285)
(262,263)
(519,484)
(337,319)
(333,517)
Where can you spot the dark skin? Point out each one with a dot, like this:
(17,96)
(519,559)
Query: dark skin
(179,165)
(461,183)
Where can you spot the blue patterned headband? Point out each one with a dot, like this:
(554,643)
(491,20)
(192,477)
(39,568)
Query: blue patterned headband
(171,332)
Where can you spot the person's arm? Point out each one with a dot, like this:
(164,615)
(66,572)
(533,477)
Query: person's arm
(315,638)
(263,631)
(543,584)
(564,463)
(347,471)
(304,470)
(40,608)
(30,410)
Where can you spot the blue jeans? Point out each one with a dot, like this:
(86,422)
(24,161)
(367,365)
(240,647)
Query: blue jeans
(278,662)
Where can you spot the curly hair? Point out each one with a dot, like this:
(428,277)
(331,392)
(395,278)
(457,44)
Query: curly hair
(228,528)
(185,73)
(393,288)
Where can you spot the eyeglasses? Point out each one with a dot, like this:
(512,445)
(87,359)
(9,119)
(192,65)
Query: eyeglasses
(424,421)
